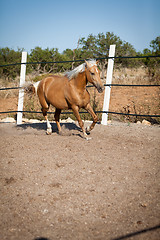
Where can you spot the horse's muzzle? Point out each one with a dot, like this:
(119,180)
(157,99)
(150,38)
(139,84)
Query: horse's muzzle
(100,88)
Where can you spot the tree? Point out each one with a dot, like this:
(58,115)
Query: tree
(48,55)
(155,45)
(88,47)
(153,64)
(98,47)
(8,56)
(41,56)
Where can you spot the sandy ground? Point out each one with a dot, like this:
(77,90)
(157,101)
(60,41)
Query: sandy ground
(64,187)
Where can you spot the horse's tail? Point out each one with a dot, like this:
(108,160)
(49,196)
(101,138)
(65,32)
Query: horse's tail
(31,88)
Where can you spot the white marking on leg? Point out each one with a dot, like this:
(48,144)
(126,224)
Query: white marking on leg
(88,129)
(49,127)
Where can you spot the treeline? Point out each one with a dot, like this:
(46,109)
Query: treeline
(92,47)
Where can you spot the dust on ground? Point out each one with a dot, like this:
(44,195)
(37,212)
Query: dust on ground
(64,187)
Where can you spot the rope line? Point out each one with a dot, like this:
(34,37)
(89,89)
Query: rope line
(1,89)
(132,85)
(106,85)
(81,60)
(107,112)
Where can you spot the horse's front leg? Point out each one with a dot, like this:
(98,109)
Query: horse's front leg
(81,124)
(94,116)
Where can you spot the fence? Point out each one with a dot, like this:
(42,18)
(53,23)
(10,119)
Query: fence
(107,85)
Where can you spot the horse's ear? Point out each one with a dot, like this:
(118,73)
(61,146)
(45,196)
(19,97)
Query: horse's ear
(86,63)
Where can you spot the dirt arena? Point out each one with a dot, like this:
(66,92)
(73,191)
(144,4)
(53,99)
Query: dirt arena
(64,187)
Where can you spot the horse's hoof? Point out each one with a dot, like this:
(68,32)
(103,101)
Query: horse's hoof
(60,133)
(88,130)
(88,138)
(49,132)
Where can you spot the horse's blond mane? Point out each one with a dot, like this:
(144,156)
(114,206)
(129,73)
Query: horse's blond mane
(81,68)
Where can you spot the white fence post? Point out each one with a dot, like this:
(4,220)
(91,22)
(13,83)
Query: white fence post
(108,81)
(21,91)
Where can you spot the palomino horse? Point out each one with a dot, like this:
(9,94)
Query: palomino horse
(69,92)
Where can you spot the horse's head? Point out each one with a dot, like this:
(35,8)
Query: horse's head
(93,75)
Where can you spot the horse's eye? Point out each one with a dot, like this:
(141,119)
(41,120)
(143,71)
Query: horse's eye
(92,73)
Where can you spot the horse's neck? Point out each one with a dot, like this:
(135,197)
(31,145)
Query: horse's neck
(81,81)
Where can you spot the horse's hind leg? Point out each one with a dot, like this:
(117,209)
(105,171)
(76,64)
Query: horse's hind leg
(45,106)
(49,127)
(56,116)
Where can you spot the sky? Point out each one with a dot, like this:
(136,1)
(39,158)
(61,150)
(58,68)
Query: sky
(60,23)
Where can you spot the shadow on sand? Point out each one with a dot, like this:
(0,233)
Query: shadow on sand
(66,127)
(41,238)
(133,234)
